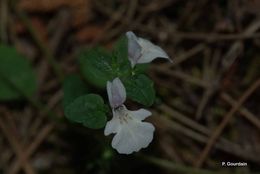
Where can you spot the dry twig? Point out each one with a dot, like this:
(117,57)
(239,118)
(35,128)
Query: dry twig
(223,124)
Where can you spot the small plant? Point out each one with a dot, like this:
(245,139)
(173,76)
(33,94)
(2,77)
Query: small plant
(122,73)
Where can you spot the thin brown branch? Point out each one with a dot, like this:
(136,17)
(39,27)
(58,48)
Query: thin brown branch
(243,111)
(223,144)
(17,164)
(186,55)
(215,36)
(180,75)
(16,147)
(199,162)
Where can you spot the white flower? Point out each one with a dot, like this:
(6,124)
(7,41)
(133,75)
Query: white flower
(116,93)
(131,133)
(141,50)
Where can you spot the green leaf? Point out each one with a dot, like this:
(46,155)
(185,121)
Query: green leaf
(96,66)
(88,110)
(121,48)
(17,77)
(120,52)
(141,68)
(140,89)
(73,87)
(99,66)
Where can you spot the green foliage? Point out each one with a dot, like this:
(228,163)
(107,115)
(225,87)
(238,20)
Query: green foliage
(17,77)
(121,50)
(140,89)
(141,68)
(88,110)
(121,64)
(73,87)
(99,66)
(95,64)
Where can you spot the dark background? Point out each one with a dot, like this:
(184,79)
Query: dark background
(207,107)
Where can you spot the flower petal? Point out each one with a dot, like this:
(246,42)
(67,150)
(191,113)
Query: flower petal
(133,136)
(140,114)
(112,126)
(116,93)
(134,49)
(109,92)
(150,51)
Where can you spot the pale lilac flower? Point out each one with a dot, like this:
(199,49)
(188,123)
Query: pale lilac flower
(116,93)
(141,50)
(131,133)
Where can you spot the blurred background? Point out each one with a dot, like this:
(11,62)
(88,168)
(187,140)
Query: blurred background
(207,109)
